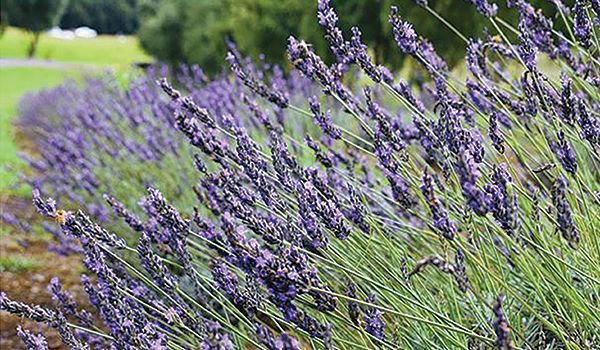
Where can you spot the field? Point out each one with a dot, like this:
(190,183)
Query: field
(306,204)
(69,59)
(13,83)
(55,61)
(104,50)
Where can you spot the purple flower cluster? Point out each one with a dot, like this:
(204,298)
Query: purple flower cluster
(485,8)
(441,220)
(501,325)
(503,202)
(374,324)
(282,342)
(564,152)
(214,339)
(404,33)
(583,24)
(324,120)
(32,341)
(54,318)
(564,215)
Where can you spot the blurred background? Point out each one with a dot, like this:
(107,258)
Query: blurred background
(45,42)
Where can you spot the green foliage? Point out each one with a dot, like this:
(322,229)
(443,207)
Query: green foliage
(105,16)
(34,15)
(89,57)
(16,264)
(205,43)
(194,31)
(14,82)
(3,22)
(161,30)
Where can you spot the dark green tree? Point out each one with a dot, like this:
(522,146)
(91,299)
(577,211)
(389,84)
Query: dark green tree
(105,16)
(162,28)
(35,16)
(193,31)
(3,22)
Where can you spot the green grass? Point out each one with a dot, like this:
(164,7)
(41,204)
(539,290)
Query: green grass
(16,263)
(102,50)
(88,56)
(14,82)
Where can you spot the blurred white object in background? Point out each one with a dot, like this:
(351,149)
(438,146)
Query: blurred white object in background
(61,34)
(85,32)
(81,32)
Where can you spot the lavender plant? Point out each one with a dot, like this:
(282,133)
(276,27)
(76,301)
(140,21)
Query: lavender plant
(287,211)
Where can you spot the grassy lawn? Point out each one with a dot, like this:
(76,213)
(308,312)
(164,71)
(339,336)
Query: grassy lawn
(14,82)
(88,56)
(102,50)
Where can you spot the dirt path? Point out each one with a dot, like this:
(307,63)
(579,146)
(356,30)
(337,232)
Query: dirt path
(34,62)
(28,282)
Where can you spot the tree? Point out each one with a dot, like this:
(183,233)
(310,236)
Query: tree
(105,16)
(193,31)
(263,26)
(3,22)
(162,29)
(34,16)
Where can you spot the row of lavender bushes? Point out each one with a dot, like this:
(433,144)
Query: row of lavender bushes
(337,206)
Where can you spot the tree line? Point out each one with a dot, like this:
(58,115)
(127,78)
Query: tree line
(194,31)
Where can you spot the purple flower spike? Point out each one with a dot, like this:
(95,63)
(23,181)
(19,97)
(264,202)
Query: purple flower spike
(501,326)
(565,154)
(503,201)
(460,272)
(119,209)
(441,221)
(283,342)
(527,49)
(11,219)
(45,207)
(309,63)
(37,313)
(495,133)
(590,126)
(564,215)
(287,342)
(228,282)
(154,265)
(353,308)
(328,20)
(324,120)
(469,173)
(276,97)
(363,58)
(81,226)
(374,324)
(264,335)
(32,341)
(583,25)
(538,28)
(215,339)
(404,34)
(63,298)
(485,8)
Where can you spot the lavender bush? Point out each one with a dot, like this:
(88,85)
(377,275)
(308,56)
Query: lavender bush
(337,206)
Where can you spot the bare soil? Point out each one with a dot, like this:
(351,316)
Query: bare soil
(29,285)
